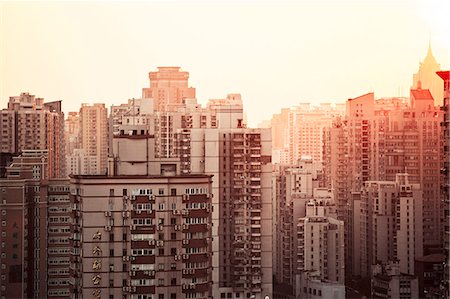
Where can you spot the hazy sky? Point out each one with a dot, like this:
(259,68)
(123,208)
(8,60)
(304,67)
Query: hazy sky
(275,54)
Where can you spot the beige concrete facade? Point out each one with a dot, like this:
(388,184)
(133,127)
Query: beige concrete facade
(141,236)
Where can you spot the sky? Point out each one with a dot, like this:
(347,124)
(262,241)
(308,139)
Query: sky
(275,54)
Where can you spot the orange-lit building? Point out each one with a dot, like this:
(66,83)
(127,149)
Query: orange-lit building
(426,78)
(374,142)
(169,88)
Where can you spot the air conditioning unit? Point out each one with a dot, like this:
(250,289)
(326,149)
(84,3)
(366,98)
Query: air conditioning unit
(177,257)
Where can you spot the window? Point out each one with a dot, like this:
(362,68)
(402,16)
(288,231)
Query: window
(173,251)
(173,236)
(173,281)
(173,191)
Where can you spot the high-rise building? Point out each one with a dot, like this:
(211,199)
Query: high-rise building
(391,224)
(426,78)
(299,130)
(374,142)
(293,187)
(321,241)
(144,228)
(142,236)
(35,230)
(94,137)
(445,182)
(30,124)
(72,132)
(168,88)
(214,140)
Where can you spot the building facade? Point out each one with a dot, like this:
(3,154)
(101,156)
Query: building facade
(30,124)
(94,137)
(35,227)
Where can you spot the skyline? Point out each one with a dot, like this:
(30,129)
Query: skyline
(293,62)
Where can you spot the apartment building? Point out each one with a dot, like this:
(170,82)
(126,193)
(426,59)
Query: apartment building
(72,132)
(168,88)
(377,140)
(190,139)
(321,241)
(35,230)
(391,224)
(445,181)
(299,130)
(94,137)
(30,124)
(141,236)
(293,187)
